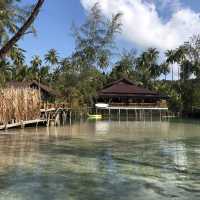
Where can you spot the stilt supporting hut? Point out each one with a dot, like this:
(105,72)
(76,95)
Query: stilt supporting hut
(124,95)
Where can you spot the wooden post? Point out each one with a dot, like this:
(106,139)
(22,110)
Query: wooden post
(81,116)
(22,124)
(135,114)
(48,122)
(160,115)
(64,117)
(57,120)
(70,117)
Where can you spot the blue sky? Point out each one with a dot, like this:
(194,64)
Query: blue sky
(174,20)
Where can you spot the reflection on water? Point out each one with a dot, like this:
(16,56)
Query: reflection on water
(102,160)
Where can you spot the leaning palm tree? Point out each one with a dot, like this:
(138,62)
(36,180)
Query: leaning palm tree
(11,16)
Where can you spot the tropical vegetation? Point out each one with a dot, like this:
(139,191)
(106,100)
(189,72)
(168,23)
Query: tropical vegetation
(96,61)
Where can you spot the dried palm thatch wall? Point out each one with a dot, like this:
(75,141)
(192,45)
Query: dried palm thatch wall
(17,104)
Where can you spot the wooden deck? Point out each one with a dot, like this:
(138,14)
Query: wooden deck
(140,105)
(22,124)
(48,113)
(133,108)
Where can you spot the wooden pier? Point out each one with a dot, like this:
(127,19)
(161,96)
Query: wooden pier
(48,116)
(23,124)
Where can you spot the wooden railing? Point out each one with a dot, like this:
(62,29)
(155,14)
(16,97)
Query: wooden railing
(67,105)
(46,106)
(160,105)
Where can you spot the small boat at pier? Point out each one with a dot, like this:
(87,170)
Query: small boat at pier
(90,116)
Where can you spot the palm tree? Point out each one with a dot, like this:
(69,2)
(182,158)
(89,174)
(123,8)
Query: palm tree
(171,59)
(34,70)
(152,56)
(125,67)
(179,56)
(164,67)
(5,72)
(147,66)
(11,16)
(17,56)
(44,74)
(52,57)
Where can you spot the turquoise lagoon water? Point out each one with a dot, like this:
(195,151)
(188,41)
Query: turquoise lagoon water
(100,160)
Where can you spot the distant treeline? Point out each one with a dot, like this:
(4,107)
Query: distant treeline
(79,76)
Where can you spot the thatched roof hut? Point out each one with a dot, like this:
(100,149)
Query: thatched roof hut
(47,93)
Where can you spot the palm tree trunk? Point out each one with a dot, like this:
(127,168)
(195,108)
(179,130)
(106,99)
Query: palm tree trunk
(178,73)
(172,72)
(4,50)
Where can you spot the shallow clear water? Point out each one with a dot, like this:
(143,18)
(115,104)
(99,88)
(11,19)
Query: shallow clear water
(102,160)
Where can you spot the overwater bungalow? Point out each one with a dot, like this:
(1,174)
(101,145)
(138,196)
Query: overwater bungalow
(124,93)
(29,103)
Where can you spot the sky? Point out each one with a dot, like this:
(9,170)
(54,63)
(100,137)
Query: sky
(163,24)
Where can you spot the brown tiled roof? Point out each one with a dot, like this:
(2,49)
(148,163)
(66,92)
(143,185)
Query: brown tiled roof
(125,87)
(18,84)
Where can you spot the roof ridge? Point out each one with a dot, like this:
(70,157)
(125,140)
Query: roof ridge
(119,80)
(28,83)
(128,87)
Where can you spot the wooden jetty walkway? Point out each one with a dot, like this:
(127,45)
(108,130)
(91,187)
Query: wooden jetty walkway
(59,114)
(48,116)
(22,124)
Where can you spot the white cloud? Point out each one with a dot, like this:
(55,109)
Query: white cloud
(142,24)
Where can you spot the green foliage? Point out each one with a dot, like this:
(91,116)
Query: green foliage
(143,69)
(51,57)
(187,56)
(11,17)
(94,40)
(5,72)
(125,67)
(80,76)
(172,90)
(147,67)
(196,94)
